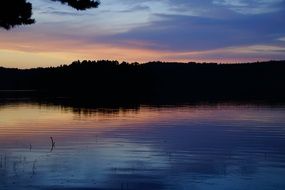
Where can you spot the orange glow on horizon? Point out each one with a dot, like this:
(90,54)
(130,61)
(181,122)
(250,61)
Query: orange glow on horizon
(28,53)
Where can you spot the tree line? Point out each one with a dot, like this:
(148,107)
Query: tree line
(111,80)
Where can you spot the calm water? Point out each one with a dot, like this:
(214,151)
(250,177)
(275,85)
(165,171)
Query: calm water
(187,147)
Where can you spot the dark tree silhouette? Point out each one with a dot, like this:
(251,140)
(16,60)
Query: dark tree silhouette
(15,12)
(19,12)
(81,4)
(111,81)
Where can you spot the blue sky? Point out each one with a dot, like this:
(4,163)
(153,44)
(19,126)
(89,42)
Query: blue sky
(146,30)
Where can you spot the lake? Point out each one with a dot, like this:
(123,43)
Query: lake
(197,147)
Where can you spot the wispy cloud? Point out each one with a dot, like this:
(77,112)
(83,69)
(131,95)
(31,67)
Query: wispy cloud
(147,30)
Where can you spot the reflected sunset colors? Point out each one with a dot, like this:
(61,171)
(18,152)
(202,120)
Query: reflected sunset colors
(168,147)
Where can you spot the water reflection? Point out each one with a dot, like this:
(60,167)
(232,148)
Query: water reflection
(142,147)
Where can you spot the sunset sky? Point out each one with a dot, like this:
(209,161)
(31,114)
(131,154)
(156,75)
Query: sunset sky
(148,30)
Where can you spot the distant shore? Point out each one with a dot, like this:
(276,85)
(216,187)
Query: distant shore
(155,81)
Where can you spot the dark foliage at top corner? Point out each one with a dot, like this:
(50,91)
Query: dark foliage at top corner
(15,12)
(19,12)
(80,4)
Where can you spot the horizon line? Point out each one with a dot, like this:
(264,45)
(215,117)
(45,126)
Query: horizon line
(148,62)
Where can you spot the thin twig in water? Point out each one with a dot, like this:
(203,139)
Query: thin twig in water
(52,144)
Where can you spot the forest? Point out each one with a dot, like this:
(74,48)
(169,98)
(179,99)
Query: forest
(154,81)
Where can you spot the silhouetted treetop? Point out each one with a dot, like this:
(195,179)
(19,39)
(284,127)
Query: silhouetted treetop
(80,4)
(19,12)
(15,12)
